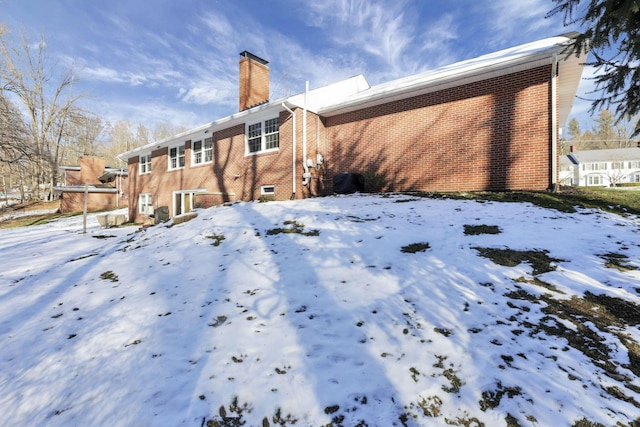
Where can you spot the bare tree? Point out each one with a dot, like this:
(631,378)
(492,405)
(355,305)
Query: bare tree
(44,89)
(14,145)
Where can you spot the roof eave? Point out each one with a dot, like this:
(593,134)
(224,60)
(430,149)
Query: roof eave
(474,72)
(202,131)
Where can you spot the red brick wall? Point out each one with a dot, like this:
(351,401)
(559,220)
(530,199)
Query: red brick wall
(254,83)
(230,176)
(74,202)
(491,135)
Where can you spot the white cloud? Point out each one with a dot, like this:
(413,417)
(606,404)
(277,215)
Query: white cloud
(516,21)
(379,28)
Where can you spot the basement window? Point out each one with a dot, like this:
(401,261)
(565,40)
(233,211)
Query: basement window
(268,190)
(145,204)
(263,136)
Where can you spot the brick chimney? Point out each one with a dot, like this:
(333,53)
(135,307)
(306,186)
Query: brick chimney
(573,149)
(90,169)
(254,80)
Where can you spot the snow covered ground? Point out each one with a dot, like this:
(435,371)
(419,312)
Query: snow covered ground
(347,310)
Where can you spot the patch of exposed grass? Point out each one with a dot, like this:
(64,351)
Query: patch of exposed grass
(617,261)
(565,200)
(217,239)
(606,315)
(415,247)
(491,398)
(109,275)
(473,230)
(586,423)
(292,227)
(538,282)
(616,308)
(538,259)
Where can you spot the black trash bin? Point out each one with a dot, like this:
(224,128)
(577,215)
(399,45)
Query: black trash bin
(347,183)
(161,214)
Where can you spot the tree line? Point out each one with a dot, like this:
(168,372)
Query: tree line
(606,131)
(43,125)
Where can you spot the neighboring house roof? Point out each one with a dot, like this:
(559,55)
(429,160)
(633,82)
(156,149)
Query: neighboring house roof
(567,160)
(612,154)
(355,93)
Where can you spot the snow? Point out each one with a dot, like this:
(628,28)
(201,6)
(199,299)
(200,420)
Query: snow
(161,327)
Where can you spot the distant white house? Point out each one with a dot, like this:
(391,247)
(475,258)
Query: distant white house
(600,168)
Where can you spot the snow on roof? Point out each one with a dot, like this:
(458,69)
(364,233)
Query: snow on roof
(487,66)
(632,153)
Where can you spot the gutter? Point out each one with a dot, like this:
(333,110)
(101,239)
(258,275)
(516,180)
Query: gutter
(293,162)
(306,176)
(83,188)
(554,123)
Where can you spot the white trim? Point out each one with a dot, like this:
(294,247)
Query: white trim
(264,188)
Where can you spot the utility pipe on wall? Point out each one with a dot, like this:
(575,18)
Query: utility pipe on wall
(306,175)
(293,166)
(554,123)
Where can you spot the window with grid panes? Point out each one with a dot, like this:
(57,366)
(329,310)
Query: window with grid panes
(263,136)
(176,157)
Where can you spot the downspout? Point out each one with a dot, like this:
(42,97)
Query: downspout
(293,161)
(306,176)
(554,124)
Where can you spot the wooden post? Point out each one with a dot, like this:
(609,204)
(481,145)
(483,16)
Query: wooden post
(84,209)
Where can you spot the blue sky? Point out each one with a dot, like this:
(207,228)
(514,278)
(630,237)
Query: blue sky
(176,61)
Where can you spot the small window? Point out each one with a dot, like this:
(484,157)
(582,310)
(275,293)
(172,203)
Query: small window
(176,157)
(268,190)
(145,163)
(145,204)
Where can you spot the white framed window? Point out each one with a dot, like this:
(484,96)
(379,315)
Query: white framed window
(595,166)
(145,163)
(595,180)
(145,203)
(201,152)
(208,144)
(268,190)
(617,165)
(634,164)
(263,136)
(176,157)
(636,178)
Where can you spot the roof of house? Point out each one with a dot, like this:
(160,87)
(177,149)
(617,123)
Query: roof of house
(611,154)
(355,93)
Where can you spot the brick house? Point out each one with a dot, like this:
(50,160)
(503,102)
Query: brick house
(105,187)
(489,123)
